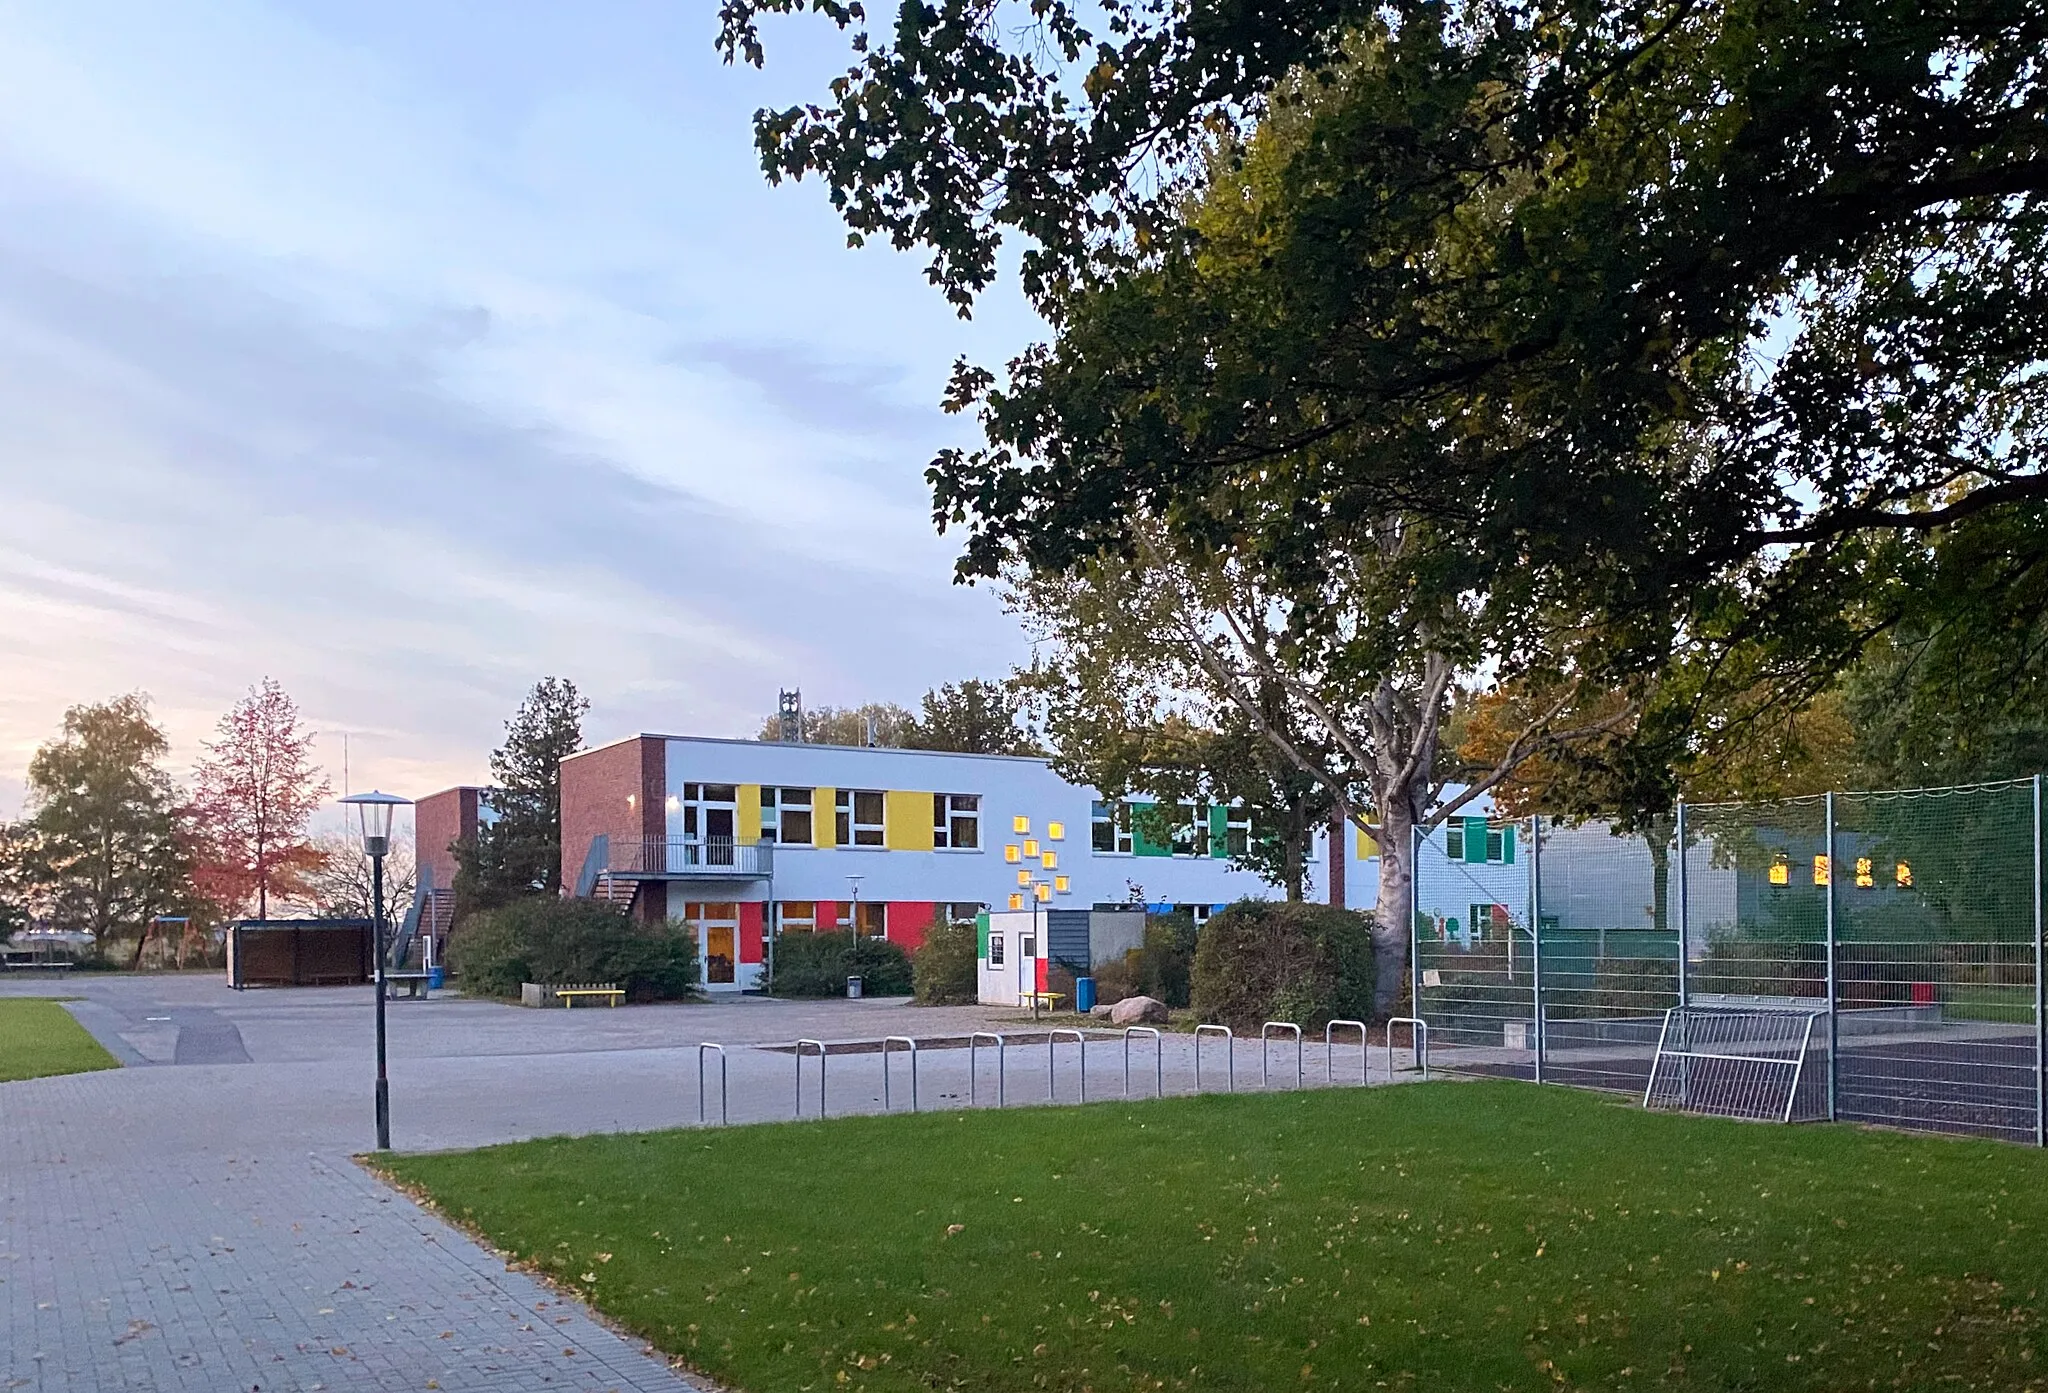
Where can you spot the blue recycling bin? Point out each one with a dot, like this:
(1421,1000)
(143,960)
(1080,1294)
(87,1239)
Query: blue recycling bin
(436,975)
(1084,994)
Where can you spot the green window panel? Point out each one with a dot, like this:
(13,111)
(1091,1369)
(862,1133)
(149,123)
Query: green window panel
(1141,843)
(1475,841)
(1219,831)
(981,935)
(1507,844)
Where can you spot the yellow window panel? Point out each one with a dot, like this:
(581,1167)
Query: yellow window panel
(822,826)
(1016,901)
(1781,873)
(1864,878)
(1023,877)
(1050,860)
(1368,847)
(748,812)
(1031,848)
(1902,874)
(1061,884)
(1020,824)
(1055,831)
(1013,853)
(1820,870)
(1044,890)
(906,820)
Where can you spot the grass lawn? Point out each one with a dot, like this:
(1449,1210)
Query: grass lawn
(1434,1237)
(38,1037)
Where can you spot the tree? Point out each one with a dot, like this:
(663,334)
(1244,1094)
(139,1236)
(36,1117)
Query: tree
(105,849)
(15,842)
(518,847)
(252,796)
(341,886)
(1702,323)
(880,723)
(971,717)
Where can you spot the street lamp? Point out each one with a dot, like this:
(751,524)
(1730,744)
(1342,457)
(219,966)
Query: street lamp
(373,813)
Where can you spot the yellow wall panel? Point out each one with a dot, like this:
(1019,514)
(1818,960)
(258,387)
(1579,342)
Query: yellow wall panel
(1367,847)
(749,815)
(907,821)
(821,816)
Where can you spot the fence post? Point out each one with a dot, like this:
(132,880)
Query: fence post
(1834,1018)
(1684,967)
(1536,933)
(1414,933)
(2040,991)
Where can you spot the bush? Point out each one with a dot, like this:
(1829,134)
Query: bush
(1161,969)
(556,942)
(819,964)
(944,969)
(1265,961)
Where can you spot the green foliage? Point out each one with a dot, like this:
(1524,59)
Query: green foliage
(104,850)
(1260,961)
(818,964)
(519,851)
(1345,1185)
(944,971)
(972,717)
(1161,967)
(555,941)
(40,1038)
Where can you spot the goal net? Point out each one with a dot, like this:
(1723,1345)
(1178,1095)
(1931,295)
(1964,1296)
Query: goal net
(1748,1063)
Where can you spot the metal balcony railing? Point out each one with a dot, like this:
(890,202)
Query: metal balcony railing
(709,858)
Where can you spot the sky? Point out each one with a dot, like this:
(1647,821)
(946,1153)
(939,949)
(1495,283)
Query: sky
(407,351)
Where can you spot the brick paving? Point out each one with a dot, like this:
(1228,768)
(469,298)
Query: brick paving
(195,1221)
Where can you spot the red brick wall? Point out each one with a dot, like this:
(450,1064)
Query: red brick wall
(438,822)
(621,791)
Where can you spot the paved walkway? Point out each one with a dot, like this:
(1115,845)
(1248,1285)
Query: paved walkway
(195,1222)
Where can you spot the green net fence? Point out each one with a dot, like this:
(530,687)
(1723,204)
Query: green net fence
(1906,922)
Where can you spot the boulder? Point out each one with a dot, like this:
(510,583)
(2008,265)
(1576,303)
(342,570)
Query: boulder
(1138,1010)
(1100,1010)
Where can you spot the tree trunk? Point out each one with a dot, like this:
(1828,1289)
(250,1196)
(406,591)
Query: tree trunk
(1393,913)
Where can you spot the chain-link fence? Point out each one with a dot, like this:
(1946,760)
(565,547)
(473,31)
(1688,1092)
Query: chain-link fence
(1911,921)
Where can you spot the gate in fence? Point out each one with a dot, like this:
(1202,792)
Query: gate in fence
(1906,925)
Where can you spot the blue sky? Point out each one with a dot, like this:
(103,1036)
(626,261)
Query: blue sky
(407,352)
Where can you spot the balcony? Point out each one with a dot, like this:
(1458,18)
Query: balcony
(674,858)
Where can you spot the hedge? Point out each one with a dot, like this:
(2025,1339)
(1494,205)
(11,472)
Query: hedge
(945,970)
(1262,960)
(818,964)
(556,941)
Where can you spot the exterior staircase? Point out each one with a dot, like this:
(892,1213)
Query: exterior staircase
(615,893)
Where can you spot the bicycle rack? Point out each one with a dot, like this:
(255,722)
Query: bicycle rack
(888,1040)
(819,1046)
(1330,1051)
(1419,1028)
(1266,1033)
(1052,1040)
(1158,1063)
(1229,1052)
(703,1046)
(974,1073)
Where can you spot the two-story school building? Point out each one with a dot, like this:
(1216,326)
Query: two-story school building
(748,839)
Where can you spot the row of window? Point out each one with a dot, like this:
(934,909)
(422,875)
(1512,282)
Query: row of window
(1113,828)
(859,818)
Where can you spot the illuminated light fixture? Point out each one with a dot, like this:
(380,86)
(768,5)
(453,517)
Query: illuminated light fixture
(1902,874)
(1864,878)
(1781,873)
(632,799)
(1044,890)
(1049,860)
(1055,831)
(1820,870)
(1016,901)
(1013,853)
(1020,824)
(1023,877)
(1031,848)
(674,802)
(1061,884)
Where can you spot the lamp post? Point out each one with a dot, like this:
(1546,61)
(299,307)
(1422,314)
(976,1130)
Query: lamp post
(373,811)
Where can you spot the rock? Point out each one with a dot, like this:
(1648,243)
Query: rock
(1138,1010)
(1101,1010)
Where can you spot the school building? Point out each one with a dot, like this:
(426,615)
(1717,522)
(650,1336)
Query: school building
(748,839)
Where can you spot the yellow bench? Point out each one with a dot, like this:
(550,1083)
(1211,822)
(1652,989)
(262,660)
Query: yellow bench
(1036,999)
(612,995)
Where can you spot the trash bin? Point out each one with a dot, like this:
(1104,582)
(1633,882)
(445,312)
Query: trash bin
(1084,994)
(436,975)
(853,985)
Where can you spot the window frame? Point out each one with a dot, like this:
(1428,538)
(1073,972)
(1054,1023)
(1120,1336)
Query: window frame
(949,817)
(1114,814)
(847,828)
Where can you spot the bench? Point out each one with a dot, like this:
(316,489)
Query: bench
(612,995)
(1034,1000)
(415,983)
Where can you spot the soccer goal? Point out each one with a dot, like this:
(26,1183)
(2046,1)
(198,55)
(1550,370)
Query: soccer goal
(1732,1062)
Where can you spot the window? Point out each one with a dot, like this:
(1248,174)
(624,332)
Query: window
(1237,832)
(956,821)
(1191,834)
(995,950)
(1027,946)
(1109,826)
(799,916)
(1461,842)
(857,817)
(959,913)
(872,919)
(786,815)
(1454,840)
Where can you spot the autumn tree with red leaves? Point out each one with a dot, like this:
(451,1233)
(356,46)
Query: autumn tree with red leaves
(252,796)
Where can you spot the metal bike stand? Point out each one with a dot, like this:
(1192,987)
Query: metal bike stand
(1229,1052)
(701,1048)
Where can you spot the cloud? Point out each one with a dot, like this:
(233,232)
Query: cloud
(310,368)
